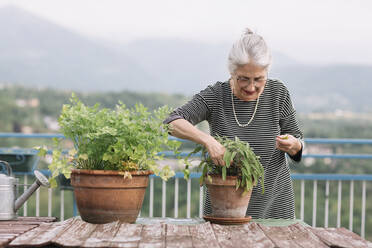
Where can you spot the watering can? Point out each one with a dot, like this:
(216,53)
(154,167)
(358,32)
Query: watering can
(8,184)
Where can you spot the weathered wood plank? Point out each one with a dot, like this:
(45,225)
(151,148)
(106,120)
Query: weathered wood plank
(203,236)
(75,235)
(253,236)
(41,235)
(17,224)
(222,235)
(177,236)
(7,235)
(304,237)
(28,220)
(36,219)
(128,235)
(28,237)
(5,239)
(102,235)
(355,237)
(330,237)
(281,236)
(16,228)
(340,237)
(153,236)
(248,235)
(10,229)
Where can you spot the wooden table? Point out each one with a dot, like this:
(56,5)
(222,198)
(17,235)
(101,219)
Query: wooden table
(10,229)
(165,233)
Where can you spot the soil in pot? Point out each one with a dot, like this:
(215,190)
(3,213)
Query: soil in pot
(225,199)
(105,196)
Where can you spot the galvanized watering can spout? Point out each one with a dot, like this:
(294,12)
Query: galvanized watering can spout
(41,180)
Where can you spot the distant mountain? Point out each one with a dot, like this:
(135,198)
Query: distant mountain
(186,66)
(328,88)
(36,52)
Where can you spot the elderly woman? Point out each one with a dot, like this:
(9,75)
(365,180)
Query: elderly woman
(256,109)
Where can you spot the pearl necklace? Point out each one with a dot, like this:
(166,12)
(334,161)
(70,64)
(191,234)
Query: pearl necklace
(236,118)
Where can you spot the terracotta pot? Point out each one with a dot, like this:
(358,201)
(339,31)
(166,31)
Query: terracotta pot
(105,196)
(226,201)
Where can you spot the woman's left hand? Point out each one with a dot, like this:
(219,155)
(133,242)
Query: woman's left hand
(288,143)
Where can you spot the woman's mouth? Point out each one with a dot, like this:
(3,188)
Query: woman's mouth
(248,92)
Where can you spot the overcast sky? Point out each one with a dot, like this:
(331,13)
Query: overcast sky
(323,31)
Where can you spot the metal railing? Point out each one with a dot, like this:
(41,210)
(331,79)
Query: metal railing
(315,178)
(302,178)
(339,178)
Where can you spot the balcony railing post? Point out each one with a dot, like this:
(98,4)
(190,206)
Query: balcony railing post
(363,221)
(74,208)
(302,199)
(201,192)
(339,195)
(151,203)
(164,199)
(326,204)
(188,206)
(62,205)
(176,182)
(50,195)
(315,188)
(24,190)
(351,205)
(37,213)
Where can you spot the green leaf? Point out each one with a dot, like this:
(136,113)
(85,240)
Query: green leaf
(201,180)
(205,170)
(237,185)
(223,172)
(83,156)
(106,157)
(53,182)
(209,178)
(233,154)
(186,174)
(42,152)
(227,158)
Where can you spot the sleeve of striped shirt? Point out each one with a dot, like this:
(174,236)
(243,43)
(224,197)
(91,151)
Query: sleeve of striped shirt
(289,124)
(198,109)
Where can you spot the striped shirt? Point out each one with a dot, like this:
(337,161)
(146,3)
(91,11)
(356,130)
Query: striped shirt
(275,115)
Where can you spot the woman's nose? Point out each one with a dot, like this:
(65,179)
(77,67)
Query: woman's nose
(251,86)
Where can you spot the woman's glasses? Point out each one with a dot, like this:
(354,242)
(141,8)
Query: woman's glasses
(258,81)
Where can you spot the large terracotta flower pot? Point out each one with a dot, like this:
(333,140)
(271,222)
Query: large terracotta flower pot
(105,196)
(226,201)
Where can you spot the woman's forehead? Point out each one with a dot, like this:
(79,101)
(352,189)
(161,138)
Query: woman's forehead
(251,70)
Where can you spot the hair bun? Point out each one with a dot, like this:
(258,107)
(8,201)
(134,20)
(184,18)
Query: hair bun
(247,31)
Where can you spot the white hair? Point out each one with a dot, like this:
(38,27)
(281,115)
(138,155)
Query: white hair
(250,48)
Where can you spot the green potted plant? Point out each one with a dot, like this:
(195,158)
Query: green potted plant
(230,186)
(115,151)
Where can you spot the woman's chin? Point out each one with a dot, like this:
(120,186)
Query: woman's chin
(249,96)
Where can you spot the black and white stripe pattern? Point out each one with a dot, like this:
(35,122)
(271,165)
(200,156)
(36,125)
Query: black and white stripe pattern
(275,115)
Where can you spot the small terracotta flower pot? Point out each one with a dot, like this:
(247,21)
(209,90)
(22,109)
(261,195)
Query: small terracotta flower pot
(105,196)
(226,201)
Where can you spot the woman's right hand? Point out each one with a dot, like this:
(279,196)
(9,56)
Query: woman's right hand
(185,130)
(216,151)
